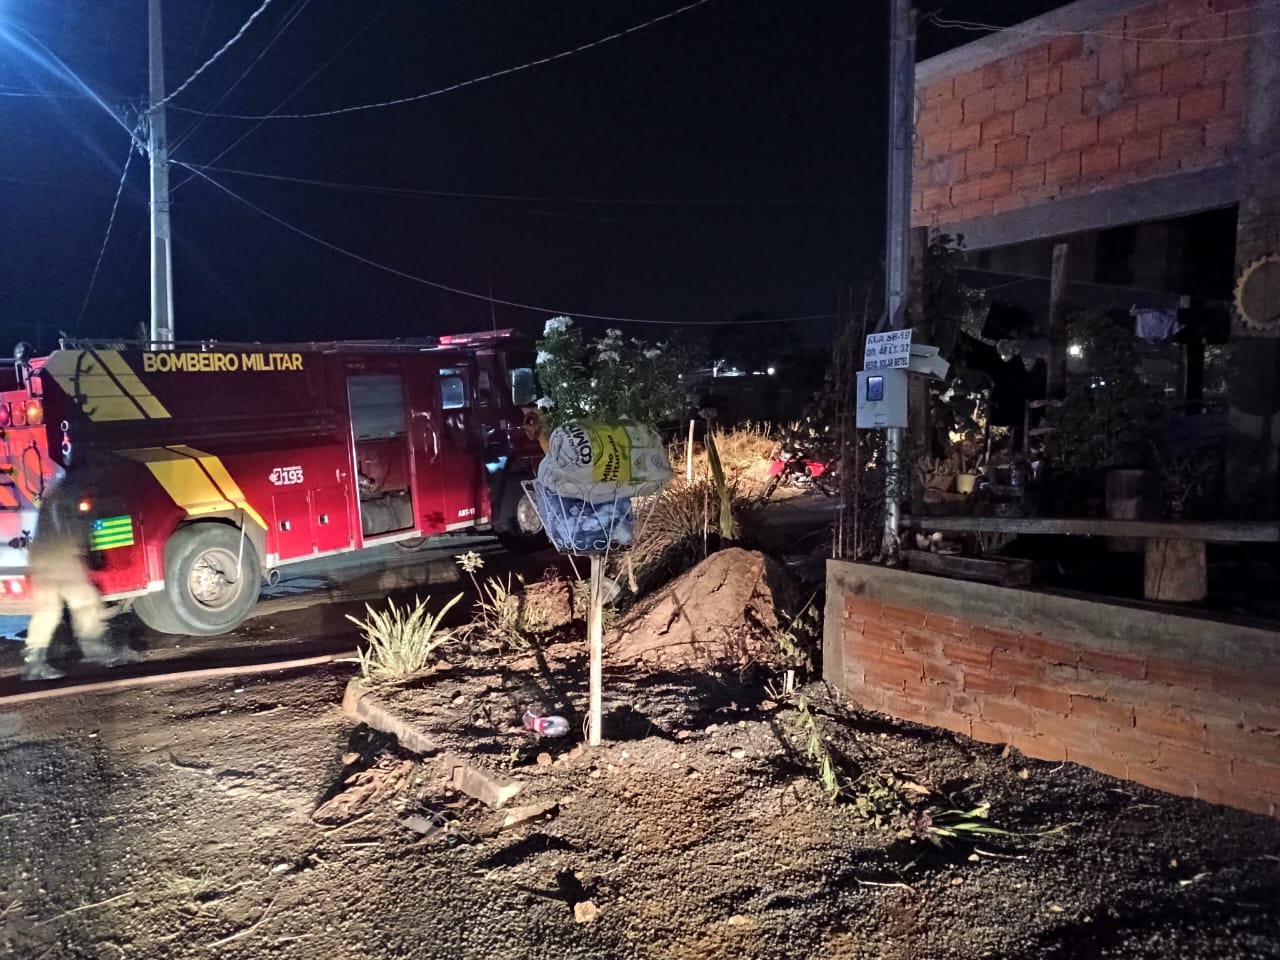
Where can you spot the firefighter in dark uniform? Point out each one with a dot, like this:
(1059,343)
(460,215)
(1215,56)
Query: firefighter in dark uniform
(58,557)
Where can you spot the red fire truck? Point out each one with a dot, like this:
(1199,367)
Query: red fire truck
(25,471)
(224,462)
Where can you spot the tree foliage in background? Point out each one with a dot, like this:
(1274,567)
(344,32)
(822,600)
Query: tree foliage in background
(859,524)
(948,304)
(752,342)
(605,379)
(1109,415)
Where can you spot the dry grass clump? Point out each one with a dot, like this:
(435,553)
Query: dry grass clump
(504,617)
(745,452)
(683,528)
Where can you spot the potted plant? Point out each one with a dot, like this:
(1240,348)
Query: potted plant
(1103,429)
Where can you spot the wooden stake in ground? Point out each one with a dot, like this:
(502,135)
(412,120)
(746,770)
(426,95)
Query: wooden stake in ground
(595,641)
(688,455)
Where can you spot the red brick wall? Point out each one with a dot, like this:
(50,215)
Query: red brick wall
(1159,720)
(1156,92)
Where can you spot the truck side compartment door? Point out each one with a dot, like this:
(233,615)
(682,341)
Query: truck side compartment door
(329,519)
(291,514)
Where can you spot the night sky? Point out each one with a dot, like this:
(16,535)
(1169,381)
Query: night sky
(762,119)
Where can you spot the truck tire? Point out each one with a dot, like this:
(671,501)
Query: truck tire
(153,610)
(518,525)
(413,544)
(202,597)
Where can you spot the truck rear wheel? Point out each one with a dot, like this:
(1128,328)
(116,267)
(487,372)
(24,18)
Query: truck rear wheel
(153,610)
(203,596)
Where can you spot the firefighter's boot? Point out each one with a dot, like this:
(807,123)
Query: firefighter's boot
(44,622)
(36,666)
(106,654)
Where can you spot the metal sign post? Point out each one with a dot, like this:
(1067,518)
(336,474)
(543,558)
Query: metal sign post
(902,82)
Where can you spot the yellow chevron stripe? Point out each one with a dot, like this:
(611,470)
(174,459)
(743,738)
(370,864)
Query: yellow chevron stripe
(222,477)
(112,360)
(107,390)
(183,479)
(198,482)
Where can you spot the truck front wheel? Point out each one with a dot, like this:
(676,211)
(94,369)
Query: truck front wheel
(518,525)
(211,581)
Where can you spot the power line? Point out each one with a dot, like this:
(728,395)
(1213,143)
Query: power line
(208,15)
(106,236)
(210,62)
(974,26)
(394,271)
(299,88)
(290,17)
(61,186)
(42,94)
(409,192)
(464,83)
(63,72)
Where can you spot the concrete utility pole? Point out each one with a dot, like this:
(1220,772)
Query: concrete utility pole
(902,74)
(158,148)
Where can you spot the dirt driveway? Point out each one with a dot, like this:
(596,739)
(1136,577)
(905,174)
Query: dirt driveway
(176,821)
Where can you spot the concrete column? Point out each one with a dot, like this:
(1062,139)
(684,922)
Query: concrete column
(1255,360)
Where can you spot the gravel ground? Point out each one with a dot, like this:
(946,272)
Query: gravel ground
(177,822)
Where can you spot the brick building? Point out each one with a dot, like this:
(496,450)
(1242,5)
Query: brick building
(1148,134)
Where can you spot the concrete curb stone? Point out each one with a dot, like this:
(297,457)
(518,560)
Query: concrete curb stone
(362,703)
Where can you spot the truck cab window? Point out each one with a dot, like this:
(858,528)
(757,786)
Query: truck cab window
(455,401)
(524,387)
(453,389)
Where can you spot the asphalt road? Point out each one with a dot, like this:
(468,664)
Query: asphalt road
(305,613)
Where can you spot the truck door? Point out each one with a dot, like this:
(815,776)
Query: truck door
(380,438)
(463,486)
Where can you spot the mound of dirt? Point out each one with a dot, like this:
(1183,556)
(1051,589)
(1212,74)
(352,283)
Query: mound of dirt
(723,612)
(546,605)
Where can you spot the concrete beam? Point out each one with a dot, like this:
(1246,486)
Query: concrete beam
(1262,108)
(1174,196)
(362,704)
(1082,16)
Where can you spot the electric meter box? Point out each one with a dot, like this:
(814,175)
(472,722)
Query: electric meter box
(882,399)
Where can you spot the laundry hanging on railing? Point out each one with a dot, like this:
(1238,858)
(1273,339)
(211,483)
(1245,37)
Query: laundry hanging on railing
(1154,326)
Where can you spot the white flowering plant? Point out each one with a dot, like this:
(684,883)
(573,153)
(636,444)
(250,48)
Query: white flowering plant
(606,378)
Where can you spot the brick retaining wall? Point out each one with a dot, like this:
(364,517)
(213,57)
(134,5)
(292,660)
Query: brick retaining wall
(1182,704)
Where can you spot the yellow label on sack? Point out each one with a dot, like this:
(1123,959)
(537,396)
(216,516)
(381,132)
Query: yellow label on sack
(610,452)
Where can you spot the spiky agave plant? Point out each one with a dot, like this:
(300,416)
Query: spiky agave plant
(400,641)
